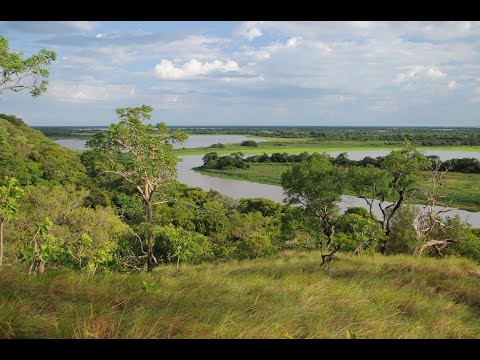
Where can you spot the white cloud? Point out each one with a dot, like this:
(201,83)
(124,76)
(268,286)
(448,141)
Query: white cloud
(452,85)
(243,80)
(266,52)
(435,73)
(250,30)
(418,71)
(94,92)
(192,69)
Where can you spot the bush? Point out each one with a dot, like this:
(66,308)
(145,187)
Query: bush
(250,143)
(256,244)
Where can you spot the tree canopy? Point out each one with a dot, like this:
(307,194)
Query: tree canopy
(19,74)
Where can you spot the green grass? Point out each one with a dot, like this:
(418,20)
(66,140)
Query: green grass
(293,146)
(289,295)
(462,189)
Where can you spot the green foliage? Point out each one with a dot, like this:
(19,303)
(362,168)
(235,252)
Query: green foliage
(32,158)
(10,194)
(152,160)
(359,211)
(255,244)
(318,185)
(360,233)
(405,167)
(44,249)
(266,207)
(402,238)
(20,74)
(142,155)
(250,143)
(183,244)
(350,334)
(3,134)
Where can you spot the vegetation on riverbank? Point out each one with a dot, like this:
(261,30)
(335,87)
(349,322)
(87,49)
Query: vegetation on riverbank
(462,189)
(299,147)
(286,296)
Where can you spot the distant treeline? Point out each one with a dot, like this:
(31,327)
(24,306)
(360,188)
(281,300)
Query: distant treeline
(236,160)
(417,136)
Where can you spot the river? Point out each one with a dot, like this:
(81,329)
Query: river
(246,189)
(193,141)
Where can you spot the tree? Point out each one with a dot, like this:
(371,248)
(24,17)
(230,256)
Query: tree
(427,222)
(397,179)
(142,155)
(19,74)
(183,244)
(10,193)
(316,184)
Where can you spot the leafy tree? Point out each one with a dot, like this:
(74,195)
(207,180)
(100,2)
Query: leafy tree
(266,207)
(142,155)
(250,143)
(210,160)
(10,193)
(46,248)
(362,232)
(397,179)
(255,245)
(19,74)
(183,244)
(316,184)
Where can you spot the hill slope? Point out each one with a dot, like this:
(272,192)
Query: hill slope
(31,157)
(286,296)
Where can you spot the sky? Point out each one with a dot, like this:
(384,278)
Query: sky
(356,73)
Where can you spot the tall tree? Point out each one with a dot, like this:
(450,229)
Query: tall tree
(316,184)
(10,193)
(142,155)
(18,74)
(396,180)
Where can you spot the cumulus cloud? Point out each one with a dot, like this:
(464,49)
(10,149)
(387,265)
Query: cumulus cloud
(250,30)
(419,70)
(192,69)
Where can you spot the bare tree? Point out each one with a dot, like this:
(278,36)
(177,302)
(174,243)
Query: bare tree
(428,221)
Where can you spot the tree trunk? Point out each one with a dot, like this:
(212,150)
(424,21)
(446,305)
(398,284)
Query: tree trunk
(41,267)
(149,234)
(331,231)
(1,245)
(178,262)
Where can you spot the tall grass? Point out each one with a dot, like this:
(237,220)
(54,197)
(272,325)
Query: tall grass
(289,295)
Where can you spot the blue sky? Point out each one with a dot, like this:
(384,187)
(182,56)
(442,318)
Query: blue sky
(254,73)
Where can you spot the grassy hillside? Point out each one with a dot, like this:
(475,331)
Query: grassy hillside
(461,188)
(286,296)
